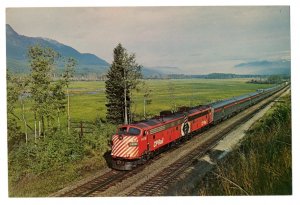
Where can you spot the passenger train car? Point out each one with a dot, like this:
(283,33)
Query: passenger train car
(135,143)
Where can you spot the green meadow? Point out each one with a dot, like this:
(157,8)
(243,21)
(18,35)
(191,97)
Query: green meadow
(87,98)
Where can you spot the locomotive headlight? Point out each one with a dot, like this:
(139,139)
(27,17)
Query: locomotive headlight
(133,144)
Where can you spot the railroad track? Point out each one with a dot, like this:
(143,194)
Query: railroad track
(99,183)
(103,182)
(158,183)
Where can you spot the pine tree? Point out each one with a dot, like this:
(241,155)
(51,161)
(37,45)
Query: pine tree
(122,78)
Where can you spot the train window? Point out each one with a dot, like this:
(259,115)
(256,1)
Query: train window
(176,128)
(122,130)
(134,131)
(153,136)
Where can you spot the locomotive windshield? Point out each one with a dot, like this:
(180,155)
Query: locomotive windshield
(122,130)
(130,131)
(134,131)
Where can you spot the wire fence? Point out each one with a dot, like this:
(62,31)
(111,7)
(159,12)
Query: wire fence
(82,127)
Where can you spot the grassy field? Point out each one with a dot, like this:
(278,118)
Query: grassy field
(88,97)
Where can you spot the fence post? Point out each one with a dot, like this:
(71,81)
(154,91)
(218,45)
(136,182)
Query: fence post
(81,129)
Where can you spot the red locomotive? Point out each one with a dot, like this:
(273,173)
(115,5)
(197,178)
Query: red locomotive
(140,141)
(136,143)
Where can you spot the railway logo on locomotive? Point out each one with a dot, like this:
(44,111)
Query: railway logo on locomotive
(158,142)
(185,127)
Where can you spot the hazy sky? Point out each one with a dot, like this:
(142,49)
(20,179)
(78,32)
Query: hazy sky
(197,40)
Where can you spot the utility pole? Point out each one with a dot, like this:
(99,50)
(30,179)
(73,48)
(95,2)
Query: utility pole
(69,119)
(125,100)
(144,108)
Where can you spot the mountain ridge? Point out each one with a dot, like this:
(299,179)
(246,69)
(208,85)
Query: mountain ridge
(17,45)
(88,64)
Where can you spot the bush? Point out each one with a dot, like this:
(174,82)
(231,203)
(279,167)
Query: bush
(98,141)
(47,154)
(56,160)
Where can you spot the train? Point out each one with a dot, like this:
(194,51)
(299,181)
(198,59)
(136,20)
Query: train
(134,144)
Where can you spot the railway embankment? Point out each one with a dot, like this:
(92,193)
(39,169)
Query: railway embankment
(254,159)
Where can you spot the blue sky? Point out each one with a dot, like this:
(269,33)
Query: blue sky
(195,40)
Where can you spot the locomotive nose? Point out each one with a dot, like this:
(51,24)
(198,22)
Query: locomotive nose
(125,146)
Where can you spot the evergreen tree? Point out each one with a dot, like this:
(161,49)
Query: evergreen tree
(123,76)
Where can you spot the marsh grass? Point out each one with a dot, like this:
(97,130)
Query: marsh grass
(87,100)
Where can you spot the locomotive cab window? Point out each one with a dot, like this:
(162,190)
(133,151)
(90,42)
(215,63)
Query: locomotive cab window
(134,131)
(122,130)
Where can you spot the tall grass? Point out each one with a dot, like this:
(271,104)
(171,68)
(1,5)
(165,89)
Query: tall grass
(262,165)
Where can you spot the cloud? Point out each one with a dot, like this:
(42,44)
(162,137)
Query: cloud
(183,37)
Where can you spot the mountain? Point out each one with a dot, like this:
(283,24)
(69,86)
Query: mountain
(16,51)
(266,67)
(88,64)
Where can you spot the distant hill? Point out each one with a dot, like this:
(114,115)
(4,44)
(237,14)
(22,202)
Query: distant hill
(216,76)
(227,76)
(17,46)
(266,67)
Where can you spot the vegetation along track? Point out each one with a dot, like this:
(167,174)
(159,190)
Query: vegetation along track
(158,183)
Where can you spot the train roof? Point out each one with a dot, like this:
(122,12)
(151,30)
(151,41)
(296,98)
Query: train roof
(159,120)
(231,100)
(228,101)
